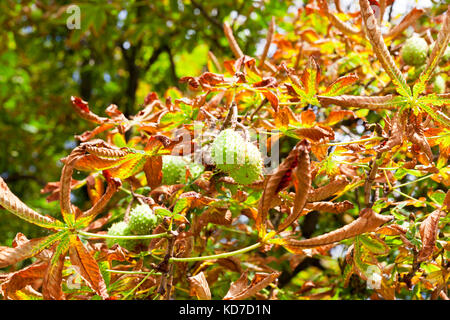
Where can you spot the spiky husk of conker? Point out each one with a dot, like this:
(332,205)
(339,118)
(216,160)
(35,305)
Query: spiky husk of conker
(414,51)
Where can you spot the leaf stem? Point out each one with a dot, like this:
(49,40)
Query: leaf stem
(411,182)
(354,141)
(135,288)
(218,256)
(133,272)
(107,236)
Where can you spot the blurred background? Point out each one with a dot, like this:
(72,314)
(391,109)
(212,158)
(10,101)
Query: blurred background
(115,52)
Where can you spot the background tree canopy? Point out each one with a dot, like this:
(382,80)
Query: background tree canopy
(122,51)
(363,136)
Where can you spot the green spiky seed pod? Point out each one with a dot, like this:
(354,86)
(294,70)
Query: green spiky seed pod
(414,51)
(174,169)
(142,220)
(251,170)
(119,229)
(227,150)
(237,157)
(439,84)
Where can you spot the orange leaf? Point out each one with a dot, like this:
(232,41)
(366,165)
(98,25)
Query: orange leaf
(87,267)
(153,171)
(240,289)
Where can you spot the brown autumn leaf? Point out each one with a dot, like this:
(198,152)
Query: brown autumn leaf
(373,32)
(428,233)
(331,207)
(240,289)
(82,108)
(219,216)
(302,183)
(342,26)
(153,171)
(273,99)
(10,256)
(368,221)
(276,182)
(10,202)
(198,286)
(87,267)
(51,287)
(359,102)
(53,188)
(407,20)
(322,193)
(315,134)
(18,280)
(337,115)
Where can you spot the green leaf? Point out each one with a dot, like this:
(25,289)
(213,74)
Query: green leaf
(374,244)
(438,116)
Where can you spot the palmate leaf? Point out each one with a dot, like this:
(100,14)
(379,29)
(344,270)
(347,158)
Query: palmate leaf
(14,205)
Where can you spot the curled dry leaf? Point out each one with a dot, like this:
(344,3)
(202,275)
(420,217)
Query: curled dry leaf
(331,207)
(368,221)
(198,286)
(322,193)
(302,184)
(240,289)
(339,24)
(28,249)
(81,107)
(51,287)
(13,204)
(20,279)
(407,20)
(360,102)
(428,233)
(373,32)
(274,183)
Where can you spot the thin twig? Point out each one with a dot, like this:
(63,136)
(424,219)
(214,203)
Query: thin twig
(370,180)
(269,39)
(232,40)
(213,58)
